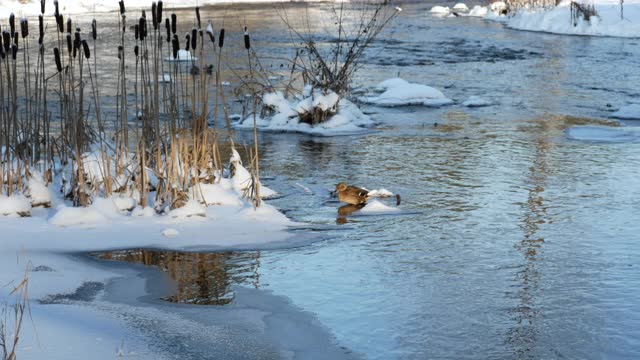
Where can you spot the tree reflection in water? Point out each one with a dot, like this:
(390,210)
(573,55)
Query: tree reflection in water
(200,278)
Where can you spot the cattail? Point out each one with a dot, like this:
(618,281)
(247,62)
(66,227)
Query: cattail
(144,14)
(142,24)
(136,31)
(41,29)
(76,42)
(6,37)
(12,23)
(210,33)
(121,3)
(247,41)
(24,27)
(159,11)
(176,45)
(120,52)
(56,55)
(1,41)
(42,2)
(136,50)
(167,25)
(14,51)
(69,25)
(2,53)
(198,16)
(194,38)
(85,47)
(221,38)
(56,11)
(60,22)
(15,38)
(188,42)
(69,45)
(174,26)
(94,29)
(154,15)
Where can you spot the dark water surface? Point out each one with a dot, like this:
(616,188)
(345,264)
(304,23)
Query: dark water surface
(517,242)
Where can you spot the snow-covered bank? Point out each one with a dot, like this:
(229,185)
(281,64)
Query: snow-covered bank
(557,20)
(32,7)
(399,92)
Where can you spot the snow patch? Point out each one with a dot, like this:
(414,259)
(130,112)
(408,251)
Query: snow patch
(376,206)
(190,209)
(77,216)
(15,205)
(399,92)
(170,232)
(183,55)
(476,101)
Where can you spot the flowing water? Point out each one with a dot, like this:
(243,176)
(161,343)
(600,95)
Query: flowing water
(514,241)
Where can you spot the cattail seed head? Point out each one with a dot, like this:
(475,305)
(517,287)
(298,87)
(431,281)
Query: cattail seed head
(76,43)
(6,39)
(69,45)
(12,23)
(144,14)
(198,17)
(56,56)
(15,38)
(154,15)
(167,25)
(188,42)
(24,27)
(85,47)
(94,29)
(136,50)
(221,38)
(69,25)
(121,3)
(194,38)
(247,41)
(41,29)
(42,2)
(212,37)
(142,24)
(60,22)
(14,51)
(120,52)
(2,53)
(136,31)
(176,46)
(56,11)
(159,11)
(174,25)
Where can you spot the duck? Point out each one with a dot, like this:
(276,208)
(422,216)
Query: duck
(351,194)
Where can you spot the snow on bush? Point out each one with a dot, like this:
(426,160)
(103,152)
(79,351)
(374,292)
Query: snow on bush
(37,191)
(76,216)
(190,209)
(315,112)
(629,112)
(479,11)
(241,180)
(399,92)
(15,205)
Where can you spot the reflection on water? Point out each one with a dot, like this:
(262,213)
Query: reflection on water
(200,278)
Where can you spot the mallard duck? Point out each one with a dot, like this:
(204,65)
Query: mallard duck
(351,194)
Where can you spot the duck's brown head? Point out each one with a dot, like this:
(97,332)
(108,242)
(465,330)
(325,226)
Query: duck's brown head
(341,187)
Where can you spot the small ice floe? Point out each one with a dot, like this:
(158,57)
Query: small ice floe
(183,55)
(225,83)
(629,112)
(440,10)
(15,205)
(460,7)
(399,92)
(604,134)
(376,206)
(170,232)
(478,11)
(476,101)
